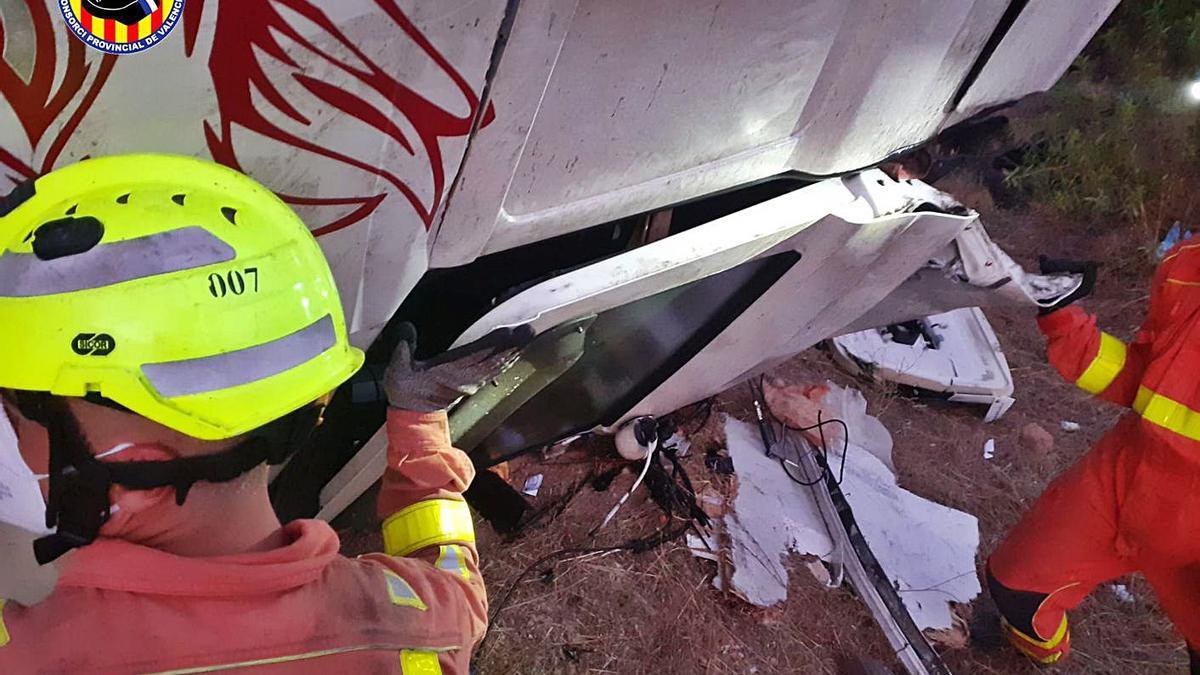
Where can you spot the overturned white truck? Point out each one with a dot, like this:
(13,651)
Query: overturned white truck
(676,194)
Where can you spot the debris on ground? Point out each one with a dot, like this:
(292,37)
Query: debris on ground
(802,407)
(1173,237)
(953,356)
(927,549)
(560,448)
(680,443)
(711,502)
(533,484)
(1037,441)
(718,462)
(989,448)
(1069,426)
(1123,593)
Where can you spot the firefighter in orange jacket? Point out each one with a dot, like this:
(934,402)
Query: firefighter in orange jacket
(1133,502)
(171,329)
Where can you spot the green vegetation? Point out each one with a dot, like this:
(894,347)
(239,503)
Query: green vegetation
(1122,141)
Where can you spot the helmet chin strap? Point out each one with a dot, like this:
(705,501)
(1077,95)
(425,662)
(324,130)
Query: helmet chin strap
(78,505)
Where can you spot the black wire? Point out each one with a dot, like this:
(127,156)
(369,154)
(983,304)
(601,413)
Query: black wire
(770,439)
(680,493)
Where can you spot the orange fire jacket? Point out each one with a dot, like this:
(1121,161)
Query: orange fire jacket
(419,608)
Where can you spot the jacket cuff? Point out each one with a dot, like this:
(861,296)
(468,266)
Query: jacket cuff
(1061,321)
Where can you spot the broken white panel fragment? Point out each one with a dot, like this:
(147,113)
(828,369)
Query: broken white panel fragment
(771,516)
(926,549)
(980,262)
(957,353)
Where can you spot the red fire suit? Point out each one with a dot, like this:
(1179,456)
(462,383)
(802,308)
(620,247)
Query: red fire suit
(122,608)
(1133,502)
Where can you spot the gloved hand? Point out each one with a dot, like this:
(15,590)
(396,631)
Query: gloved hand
(1060,266)
(435,384)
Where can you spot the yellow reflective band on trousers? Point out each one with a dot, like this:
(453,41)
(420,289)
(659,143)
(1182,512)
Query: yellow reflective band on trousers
(1168,414)
(4,636)
(419,663)
(1041,651)
(428,523)
(1109,362)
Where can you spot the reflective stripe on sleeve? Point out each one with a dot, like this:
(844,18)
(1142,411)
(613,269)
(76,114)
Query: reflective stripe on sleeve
(452,559)
(1109,362)
(428,523)
(1167,413)
(401,592)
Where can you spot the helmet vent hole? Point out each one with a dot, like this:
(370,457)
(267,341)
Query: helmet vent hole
(71,211)
(123,199)
(178,199)
(230,214)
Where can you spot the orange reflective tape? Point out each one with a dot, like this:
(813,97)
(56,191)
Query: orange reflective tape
(428,523)
(1167,413)
(1108,364)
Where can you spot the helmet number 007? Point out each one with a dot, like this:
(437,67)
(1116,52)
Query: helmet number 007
(233,282)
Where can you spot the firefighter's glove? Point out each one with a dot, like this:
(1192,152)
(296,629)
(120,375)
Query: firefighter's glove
(1086,268)
(437,383)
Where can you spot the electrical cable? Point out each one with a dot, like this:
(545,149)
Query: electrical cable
(678,491)
(772,440)
(650,450)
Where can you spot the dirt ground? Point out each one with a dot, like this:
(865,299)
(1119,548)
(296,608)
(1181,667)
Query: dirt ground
(657,611)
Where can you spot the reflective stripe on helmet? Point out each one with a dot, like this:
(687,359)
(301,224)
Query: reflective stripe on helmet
(24,275)
(243,366)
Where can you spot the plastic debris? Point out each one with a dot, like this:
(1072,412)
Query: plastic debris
(1173,237)
(1123,593)
(704,546)
(1069,426)
(989,448)
(711,502)
(954,356)
(682,445)
(928,550)
(533,484)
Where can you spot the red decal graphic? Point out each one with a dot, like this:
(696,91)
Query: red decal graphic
(247,26)
(38,102)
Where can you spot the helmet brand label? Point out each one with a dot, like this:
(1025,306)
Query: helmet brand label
(93,344)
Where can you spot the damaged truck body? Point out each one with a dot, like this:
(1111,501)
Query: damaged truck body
(676,195)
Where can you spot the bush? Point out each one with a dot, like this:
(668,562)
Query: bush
(1122,141)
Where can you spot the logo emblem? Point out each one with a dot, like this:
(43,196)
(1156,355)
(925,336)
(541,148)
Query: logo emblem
(92,344)
(121,26)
